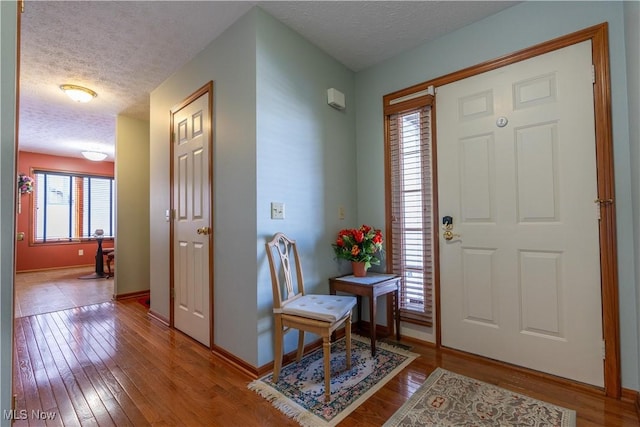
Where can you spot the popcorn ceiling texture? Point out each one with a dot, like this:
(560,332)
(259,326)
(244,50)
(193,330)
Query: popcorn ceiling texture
(123,50)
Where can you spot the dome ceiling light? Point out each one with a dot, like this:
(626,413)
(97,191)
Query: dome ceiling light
(94,156)
(78,93)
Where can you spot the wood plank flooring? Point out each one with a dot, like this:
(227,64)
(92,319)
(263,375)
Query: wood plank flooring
(52,290)
(109,364)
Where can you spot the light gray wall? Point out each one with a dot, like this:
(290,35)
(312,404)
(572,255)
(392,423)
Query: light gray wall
(305,159)
(8,178)
(132,205)
(515,28)
(230,62)
(632,39)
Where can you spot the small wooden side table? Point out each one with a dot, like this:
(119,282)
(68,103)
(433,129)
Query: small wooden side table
(372,286)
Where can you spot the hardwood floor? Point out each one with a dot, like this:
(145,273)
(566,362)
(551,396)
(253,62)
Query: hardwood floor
(109,364)
(52,290)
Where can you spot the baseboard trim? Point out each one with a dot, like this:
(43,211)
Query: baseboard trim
(130,295)
(159,317)
(234,361)
(65,267)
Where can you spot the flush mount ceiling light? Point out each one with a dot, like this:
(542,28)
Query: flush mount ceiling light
(94,156)
(78,93)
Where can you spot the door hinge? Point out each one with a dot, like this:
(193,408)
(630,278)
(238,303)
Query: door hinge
(593,74)
(604,349)
(173,292)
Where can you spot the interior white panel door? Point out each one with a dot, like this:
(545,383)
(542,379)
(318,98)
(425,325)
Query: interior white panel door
(517,172)
(191,187)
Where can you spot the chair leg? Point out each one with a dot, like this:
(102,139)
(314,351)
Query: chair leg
(326,350)
(347,334)
(277,357)
(300,345)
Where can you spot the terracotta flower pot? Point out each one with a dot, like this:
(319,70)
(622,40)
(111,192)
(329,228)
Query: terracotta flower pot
(359,269)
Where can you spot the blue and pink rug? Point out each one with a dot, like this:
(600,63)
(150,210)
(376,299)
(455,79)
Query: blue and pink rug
(299,393)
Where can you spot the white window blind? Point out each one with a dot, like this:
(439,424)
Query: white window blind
(410,167)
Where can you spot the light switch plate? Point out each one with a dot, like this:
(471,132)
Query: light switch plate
(277,210)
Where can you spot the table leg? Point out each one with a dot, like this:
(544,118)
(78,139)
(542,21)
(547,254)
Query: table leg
(372,323)
(359,298)
(333,334)
(396,308)
(390,313)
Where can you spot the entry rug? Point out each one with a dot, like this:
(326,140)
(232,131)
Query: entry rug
(449,399)
(299,393)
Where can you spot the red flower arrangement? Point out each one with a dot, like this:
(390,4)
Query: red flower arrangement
(359,245)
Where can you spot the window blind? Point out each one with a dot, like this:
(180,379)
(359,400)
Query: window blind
(411,230)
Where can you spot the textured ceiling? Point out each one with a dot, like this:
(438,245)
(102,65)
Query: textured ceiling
(123,50)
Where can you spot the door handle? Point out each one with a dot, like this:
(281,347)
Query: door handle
(204,231)
(449,235)
(448,232)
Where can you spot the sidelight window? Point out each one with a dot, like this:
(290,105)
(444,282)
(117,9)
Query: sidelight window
(410,251)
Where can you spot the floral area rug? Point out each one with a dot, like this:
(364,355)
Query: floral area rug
(449,399)
(299,393)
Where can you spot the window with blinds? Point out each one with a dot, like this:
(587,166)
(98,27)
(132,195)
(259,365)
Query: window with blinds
(410,211)
(70,207)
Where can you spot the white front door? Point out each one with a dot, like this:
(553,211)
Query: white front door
(192,222)
(517,174)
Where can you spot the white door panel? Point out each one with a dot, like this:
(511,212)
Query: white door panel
(522,282)
(191,196)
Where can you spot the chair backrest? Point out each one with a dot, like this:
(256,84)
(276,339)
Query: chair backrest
(282,253)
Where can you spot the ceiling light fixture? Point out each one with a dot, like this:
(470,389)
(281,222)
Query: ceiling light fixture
(94,156)
(78,93)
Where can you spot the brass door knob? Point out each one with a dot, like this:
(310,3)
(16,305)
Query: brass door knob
(204,230)
(448,233)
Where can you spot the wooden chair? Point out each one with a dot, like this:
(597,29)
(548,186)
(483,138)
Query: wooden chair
(318,314)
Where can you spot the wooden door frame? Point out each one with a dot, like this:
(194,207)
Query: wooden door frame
(598,35)
(206,89)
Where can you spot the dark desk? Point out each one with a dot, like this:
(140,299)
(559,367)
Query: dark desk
(372,286)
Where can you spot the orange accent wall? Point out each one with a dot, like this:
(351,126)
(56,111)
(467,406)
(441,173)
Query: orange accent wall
(41,257)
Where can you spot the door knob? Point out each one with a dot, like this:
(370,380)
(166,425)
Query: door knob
(448,230)
(449,235)
(204,230)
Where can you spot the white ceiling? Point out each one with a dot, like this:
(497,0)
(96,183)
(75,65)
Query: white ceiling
(123,50)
